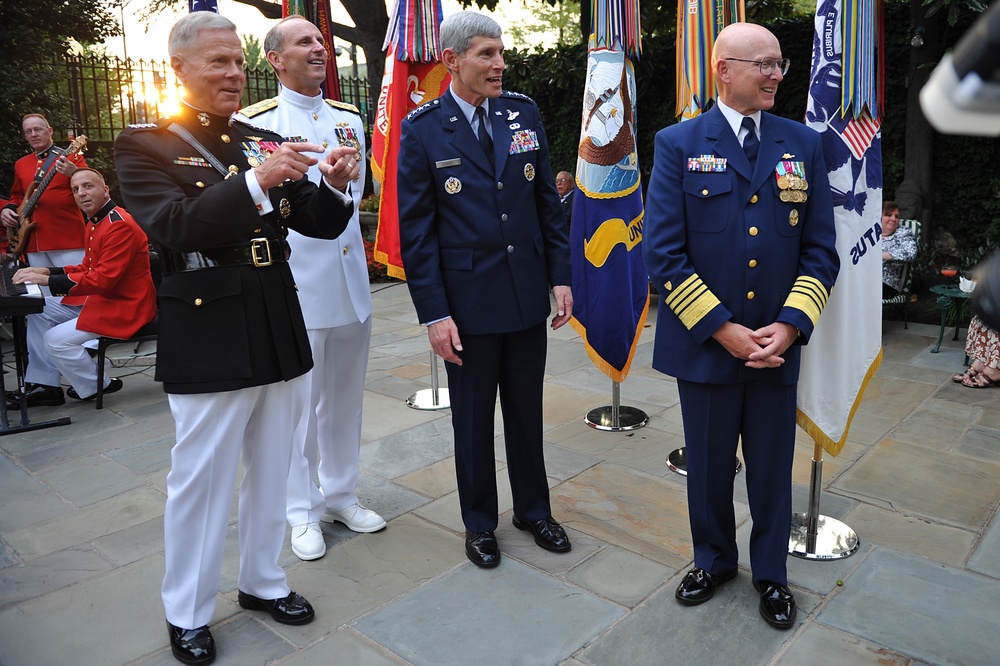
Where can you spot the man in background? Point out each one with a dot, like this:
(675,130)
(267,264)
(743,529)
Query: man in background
(566,187)
(333,289)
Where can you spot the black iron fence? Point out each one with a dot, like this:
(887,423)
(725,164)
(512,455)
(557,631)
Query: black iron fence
(107,94)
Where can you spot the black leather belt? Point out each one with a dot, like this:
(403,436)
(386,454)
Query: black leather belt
(259,252)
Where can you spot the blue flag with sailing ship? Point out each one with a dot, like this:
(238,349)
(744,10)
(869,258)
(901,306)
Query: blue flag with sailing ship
(610,286)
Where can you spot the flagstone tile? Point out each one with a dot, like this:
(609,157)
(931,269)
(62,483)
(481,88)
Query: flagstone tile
(885,527)
(947,487)
(433,480)
(990,418)
(31,511)
(531,618)
(401,388)
(602,575)
(937,424)
(643,449)
(986,554)
(869,427)
(637,512)
(402,451)
(386,416)
(894,398)
(362,574)
(344,646)
(835,648)
(913,373)
(16,485)
(133,543)
(911,605)
(145,457)
(447,511)
(49,573)
(963,395)
(112,515)
(980,442)
(520,545)
(726,630)
(89,480)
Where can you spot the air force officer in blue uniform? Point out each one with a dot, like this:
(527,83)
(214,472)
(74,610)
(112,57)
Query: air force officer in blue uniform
(740,242)
(483,238)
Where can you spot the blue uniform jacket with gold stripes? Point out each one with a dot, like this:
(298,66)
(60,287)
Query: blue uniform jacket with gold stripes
(720,245)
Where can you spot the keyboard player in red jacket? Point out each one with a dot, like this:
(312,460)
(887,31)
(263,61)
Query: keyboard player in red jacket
(120,298)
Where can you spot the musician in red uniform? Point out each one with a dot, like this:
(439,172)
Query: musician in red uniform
(120,297)
(58,238)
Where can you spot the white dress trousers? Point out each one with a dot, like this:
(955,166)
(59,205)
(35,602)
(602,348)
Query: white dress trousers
(335,295)
(213,431)
(42,367)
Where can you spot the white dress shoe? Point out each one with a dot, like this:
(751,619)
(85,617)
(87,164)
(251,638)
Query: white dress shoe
(308,542)
(356,517)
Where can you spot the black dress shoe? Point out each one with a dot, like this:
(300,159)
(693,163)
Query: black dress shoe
(699,586)
(548,533)
(39,395)
(192,646)
(115,386)
(482,549)
(777,605)
(293,609)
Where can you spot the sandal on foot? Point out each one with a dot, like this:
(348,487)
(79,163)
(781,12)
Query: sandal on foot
(980,380)
(961,377)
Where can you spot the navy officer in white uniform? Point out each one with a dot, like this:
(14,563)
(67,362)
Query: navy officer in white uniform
(332,277)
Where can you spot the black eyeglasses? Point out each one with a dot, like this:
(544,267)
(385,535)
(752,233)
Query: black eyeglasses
(768,65)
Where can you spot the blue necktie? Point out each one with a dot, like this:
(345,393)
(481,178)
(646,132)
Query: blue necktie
(484,137)
(751,143)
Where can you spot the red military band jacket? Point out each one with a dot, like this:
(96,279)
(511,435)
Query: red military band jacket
(60,226)
(114,276)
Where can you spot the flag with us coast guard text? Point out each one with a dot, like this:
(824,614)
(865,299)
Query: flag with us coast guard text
(844,106)
(610,285)
(413,76)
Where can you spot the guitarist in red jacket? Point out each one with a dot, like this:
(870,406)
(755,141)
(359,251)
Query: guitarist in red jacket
(57,240)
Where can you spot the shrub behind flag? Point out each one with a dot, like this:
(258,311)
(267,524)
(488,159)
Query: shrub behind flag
(845,349)
(610,285)
(413,76)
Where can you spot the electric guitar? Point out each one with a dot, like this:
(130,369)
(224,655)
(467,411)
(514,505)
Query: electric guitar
(17,237)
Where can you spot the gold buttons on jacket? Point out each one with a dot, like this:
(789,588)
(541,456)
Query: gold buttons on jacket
(225,138)
(199,184)
(197,302)
(345,251)
(315,116)
(753,263)
(750,295)
(325,144)
(753,199)
(704,193)
(753,231)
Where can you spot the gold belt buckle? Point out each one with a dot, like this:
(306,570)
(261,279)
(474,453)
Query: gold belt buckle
(260,250)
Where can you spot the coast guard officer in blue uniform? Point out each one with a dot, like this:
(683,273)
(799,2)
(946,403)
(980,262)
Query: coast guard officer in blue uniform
(740,242)
(483,238)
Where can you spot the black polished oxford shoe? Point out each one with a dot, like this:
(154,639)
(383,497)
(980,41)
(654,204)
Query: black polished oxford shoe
(777,605)
(38,395)
(482,549)
(699,586)
(548,533)
(293,609)
(115,386)
(192,646)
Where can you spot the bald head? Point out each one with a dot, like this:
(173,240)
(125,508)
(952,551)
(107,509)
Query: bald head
(739,51)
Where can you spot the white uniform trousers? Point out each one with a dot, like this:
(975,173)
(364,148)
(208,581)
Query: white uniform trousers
(41,369)
(213,430)
(328,433)
(65,351)
(51,258)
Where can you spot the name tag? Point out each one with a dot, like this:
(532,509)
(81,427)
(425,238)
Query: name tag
(448,163)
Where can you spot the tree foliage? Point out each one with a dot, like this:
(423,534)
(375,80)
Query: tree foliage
(34,35)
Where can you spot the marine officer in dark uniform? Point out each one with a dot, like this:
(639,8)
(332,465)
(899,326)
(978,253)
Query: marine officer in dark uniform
(216,197)
(483,239)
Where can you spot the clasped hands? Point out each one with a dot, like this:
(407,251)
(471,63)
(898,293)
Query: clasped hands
(762,348)
(291,161)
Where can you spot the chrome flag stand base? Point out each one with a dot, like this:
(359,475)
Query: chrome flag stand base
(818,537)
(677,462)
(433,398)
(614,417)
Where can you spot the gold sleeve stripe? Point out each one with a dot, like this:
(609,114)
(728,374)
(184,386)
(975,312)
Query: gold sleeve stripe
(691,301)
(808,295)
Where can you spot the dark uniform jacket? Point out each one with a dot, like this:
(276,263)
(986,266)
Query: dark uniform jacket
(230,325)
(481,248)
(720,243)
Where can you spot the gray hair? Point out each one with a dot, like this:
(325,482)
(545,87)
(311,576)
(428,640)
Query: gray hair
(458,30)
(186,31)
(274,40)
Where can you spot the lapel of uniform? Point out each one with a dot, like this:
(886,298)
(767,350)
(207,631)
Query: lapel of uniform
(771,148)
(726,144)
(462,139)
(503,136)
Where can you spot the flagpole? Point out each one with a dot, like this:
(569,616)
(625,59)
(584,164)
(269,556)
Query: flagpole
(677,461)
(614,417)
(815,536)
(434,397)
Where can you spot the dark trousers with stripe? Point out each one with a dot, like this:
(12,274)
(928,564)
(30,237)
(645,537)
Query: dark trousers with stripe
(514,363)
(716,417)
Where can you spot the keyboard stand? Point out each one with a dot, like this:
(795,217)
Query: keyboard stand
(21,363)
